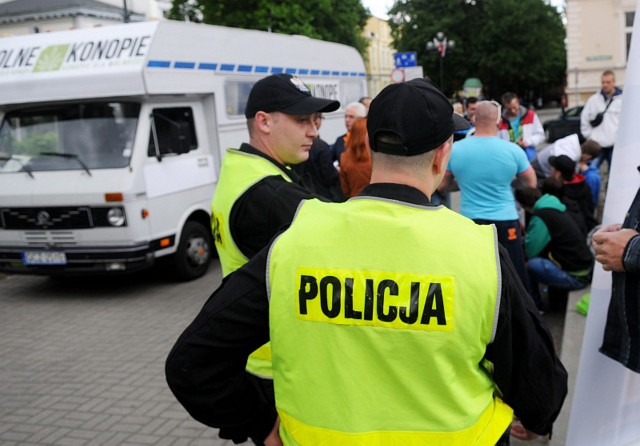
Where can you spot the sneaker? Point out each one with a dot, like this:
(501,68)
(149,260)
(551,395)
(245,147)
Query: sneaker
(582,306)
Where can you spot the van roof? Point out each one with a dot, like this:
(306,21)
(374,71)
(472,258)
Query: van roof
(162,57)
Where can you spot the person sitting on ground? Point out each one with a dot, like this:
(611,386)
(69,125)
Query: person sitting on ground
(559,256)
(569,145)
(576,194)
(355,162)
(592,178)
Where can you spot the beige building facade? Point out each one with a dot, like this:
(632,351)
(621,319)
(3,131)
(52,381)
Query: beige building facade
(598,38)
(19,17)
(379,60)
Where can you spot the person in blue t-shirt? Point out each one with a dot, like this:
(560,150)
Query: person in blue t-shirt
(484,167)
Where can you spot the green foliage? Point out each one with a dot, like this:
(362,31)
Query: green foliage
(515,45)
(339,21)
(185,10)
(35,143)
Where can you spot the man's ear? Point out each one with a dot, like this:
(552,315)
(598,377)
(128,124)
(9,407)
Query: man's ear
(441,157)
(263,122)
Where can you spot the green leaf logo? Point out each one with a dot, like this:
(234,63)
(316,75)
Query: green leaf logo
(51,58)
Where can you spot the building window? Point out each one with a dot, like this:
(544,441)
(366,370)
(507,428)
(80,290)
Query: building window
(629,16)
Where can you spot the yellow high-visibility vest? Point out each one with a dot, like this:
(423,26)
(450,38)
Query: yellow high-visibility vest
(380,315)
(239,171)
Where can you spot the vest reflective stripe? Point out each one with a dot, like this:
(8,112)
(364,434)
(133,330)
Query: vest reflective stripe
(239,171)
(344,320)
(489,428)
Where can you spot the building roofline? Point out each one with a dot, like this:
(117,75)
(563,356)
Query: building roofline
(63,9)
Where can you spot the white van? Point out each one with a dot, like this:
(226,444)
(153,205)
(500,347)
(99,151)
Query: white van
(111,138)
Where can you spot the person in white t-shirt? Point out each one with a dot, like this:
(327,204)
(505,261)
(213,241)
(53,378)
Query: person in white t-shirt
(600,117)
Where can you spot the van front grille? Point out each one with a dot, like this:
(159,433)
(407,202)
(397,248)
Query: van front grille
(46,218)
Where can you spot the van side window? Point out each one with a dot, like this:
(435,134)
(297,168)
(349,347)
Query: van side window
(236,94)
(175,131)
(350,91)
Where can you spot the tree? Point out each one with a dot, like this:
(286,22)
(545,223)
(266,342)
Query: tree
(339,21)
(511,45)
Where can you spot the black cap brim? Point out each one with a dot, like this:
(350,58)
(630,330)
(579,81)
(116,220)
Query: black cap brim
(309,104)
(460,123)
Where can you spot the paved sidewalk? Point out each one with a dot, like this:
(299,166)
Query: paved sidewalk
(83,363)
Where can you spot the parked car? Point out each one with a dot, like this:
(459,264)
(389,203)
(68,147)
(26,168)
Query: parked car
(565,124)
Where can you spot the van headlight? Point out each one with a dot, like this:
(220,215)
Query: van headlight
(115,217)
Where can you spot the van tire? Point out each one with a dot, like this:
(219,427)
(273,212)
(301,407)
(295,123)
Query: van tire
(192,258)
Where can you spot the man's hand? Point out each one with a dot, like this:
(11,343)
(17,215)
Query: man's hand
(273,439)
(609,243)
(520,432)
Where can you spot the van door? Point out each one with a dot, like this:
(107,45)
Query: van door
(180,175)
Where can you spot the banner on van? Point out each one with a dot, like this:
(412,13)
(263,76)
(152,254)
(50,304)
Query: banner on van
(324,89)
(75,50)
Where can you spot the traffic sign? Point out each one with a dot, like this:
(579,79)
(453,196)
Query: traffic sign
(406,59)
(397,75)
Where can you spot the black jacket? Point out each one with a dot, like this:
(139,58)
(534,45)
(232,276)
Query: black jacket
(263,209)
(318,172)
(576,195)
(622,331)
(568,246)
(338,147)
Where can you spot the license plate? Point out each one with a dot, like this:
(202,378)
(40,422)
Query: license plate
(44,258)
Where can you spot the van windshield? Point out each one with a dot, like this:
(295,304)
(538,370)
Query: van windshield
(87,136)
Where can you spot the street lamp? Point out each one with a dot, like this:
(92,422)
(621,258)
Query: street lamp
(126,17)
(440,44)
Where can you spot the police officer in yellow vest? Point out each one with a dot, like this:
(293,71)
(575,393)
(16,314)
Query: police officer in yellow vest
(392,321)
(257,193)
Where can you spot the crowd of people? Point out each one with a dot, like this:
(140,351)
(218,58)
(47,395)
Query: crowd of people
(351,294)
(556,187)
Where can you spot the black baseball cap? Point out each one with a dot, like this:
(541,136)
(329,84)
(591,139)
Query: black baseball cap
(287,94)
(563,164)
(415,111)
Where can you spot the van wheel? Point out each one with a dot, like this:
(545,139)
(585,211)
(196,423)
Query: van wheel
(191,260)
